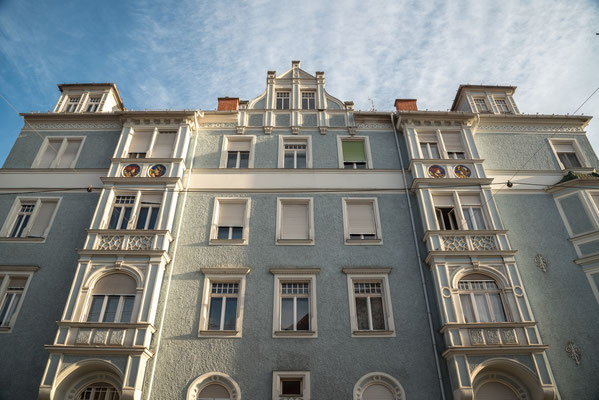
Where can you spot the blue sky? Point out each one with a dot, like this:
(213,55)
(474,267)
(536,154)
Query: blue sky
(188,53)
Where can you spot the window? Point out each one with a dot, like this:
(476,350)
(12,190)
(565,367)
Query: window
(30,218)
(214,392)
(370,303)
(474,218)
(59,152)
(113,299)
(481,105)
(354,152)
(230,221)
(238,152)
(127,213)
(290,384)
(378,386)
(140,144)
(121,212)
(93,104)
(283,101)
(295,222)
(72,103)
(294,308)
(214,386)
(308,101)
(567,154)
(428,145)
(453,145)
(148,211)
(295,152)
(222,302)
(502,106)
(12,290)
(99,391)
(481,299)
(448,217)
(164,144)
(361,221)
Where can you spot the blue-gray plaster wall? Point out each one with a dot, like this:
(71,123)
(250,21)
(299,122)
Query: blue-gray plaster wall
(97,149)
(518,150)
(561,298)
(23,354)
(335,360)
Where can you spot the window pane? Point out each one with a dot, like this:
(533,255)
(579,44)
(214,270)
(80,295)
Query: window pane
(378,316)
(362,313)
(223,232)
(353,150)
(291,387)
(230,313)
(127,308)
(434,150)
(237,232)
(244,158)
(153,218)
(467,308)
(231,159)
(482,308)
(467,217)
(141,220)
(216,304)
(287,314)
(289,162)
(497,307)
(303,314)
(478,217)
(16,232)
(110,311)
(301,159)
(10,303)
(114,218)
(95,309)
(126,218)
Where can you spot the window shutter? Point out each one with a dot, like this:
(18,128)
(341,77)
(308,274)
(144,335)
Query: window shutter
(164,145)
(69,154)
(50,153)
(353,150)
(470,200)
(116,284)
(361,219)
(294,221)
(427,138)
(151,199)
(443,201)
(239,145)
(564,148)
(231,214)
(140,143)
(42,220)
(452,141)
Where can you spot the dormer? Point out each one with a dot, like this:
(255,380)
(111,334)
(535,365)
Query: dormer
(88,98)
(483,99)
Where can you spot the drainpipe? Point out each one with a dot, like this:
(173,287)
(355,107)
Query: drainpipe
(420,265)
(170,274)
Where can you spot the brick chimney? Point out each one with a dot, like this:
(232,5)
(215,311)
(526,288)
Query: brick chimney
(228,103)
(406,105)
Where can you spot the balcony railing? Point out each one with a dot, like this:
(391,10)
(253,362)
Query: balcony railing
(96,334)
(467,241)
(127,240)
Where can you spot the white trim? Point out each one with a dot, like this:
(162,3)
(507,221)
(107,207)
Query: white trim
(365,139)
(382,277)
(295,138)
(14,210)
(277,376)
(375,205)
(589,273)
(577,149)
(198,384)
(205,306)
(59,151)
(378,378)
(309,202)
(246,221)
(8,273)
(303,276)
(237,138)
(587,209)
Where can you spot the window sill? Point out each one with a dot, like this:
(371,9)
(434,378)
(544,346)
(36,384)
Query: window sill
(373,333)
(23,239)
(294,334)
(5,329)
(363,242)
(228,242)
(227,334)
(295,242)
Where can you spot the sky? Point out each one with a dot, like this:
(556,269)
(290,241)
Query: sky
(186,54)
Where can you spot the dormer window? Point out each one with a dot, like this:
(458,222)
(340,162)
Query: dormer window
(502,106)
(481,105)
(72,104)
(283,101)
(93,104)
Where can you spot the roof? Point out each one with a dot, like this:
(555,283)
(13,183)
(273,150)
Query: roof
(469,86)
(111,85)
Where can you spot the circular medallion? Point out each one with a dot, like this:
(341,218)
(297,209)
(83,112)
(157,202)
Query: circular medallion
(131,170)
(156,171)
(518,291)
(436,171)
(462,171)
(446,292)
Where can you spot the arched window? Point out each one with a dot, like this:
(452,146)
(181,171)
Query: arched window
(378,392)
(113,299)
(99,391)
(495,391)
(481,301)
(214,392)
(213,386)
(378,386)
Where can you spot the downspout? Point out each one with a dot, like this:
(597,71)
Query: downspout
(170,273)
(420,266)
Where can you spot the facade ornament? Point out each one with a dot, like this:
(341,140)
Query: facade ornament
(295,130)
(352,130)
(476,264)
(268,130)
(574,352)
(541,262)
(240,130)
(323,130)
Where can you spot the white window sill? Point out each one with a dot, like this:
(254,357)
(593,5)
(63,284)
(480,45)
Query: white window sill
(363,242)
(295,242)
(23,239)
(223,333)
(228,242)
(294,334)
(373,333)
(5,329)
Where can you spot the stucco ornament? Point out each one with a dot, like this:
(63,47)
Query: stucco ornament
(379,378)
(215,377)
(541,262)
(574,352)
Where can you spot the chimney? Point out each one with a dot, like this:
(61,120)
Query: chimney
(228,103)
(406,105)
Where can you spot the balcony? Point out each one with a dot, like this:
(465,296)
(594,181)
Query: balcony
(104,335)
(467,242)
(145,170)
(116,240)
(450,171)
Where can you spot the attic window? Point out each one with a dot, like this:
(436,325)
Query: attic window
(502,106)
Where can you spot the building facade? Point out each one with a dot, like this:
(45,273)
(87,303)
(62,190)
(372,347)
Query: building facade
(291,247)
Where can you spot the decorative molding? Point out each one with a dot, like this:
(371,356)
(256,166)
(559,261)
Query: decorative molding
(295,130)
(74,125)
(492,336)
(294,271)
(373,125)
(225,270)
(528,128)
(217,125)
(366,271)
(323,130)
(476,336)
(574,352)
(541,262)
(268,130)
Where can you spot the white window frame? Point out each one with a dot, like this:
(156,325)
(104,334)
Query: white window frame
(484,101)
(68,102)
(135,210)
(441,146)
(8,271)
(589,272)
(119,309)
(14,212)
(377,220)
(59,152)
(365,139)
(577,150)
(294,275)
(507,105)
(246,222)
(222,275)
(356,275)
(309,202)
(279,376)
(288,92)
(89,102)
(295,138)
(458,211)
(237,138)
(308,92)
(475,309)
(154,132)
